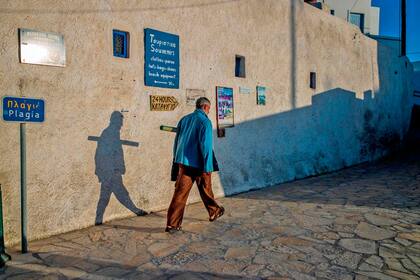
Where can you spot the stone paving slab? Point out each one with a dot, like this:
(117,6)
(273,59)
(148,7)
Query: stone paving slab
(359,223)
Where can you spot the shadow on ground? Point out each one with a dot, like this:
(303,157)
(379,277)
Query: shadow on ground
(361,221)
(389,183)
(45,267)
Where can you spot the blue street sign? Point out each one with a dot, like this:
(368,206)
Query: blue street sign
(161,59)
(17,109)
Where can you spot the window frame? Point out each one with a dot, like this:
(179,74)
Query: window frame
(126,42)
(362,20)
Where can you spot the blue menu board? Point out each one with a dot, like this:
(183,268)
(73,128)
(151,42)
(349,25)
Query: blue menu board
(161,61)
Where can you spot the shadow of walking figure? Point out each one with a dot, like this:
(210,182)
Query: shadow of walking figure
(110,167)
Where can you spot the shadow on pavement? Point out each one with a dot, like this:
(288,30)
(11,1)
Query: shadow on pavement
(55,266)
(134,228)
(390,183)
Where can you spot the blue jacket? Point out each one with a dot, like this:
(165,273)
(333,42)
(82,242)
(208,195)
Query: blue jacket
(193,144)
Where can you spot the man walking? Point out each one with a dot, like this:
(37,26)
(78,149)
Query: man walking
(193,152)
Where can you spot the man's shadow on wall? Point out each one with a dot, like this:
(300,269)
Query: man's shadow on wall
(110,167)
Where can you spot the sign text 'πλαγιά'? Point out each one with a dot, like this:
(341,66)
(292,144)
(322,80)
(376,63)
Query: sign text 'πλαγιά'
(19,109)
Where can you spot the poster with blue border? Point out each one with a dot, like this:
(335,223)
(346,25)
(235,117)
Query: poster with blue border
(261,95)
(161,59)
(224,103)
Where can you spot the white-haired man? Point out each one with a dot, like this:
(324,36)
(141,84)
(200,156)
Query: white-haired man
(193,152)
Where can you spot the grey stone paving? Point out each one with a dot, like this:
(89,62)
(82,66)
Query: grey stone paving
(359,223)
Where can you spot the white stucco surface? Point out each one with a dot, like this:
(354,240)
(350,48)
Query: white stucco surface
(359,110)
(343,8)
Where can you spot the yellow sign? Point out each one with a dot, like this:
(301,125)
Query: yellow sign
(162,103)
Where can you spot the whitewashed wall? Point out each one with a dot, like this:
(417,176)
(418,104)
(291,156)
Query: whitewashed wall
(358,111)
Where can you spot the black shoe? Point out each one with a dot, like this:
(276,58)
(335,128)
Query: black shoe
(141,213)
(173,229)
(217,215)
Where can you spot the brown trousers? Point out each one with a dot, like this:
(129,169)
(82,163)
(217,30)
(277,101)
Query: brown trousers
(186,178)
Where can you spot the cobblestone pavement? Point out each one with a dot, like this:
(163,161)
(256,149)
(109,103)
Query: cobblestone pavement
(358,223)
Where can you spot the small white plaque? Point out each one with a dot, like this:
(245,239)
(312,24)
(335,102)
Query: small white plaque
(193,95)
(44,48)
(244,90)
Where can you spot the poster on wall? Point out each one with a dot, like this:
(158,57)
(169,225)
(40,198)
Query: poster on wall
(43,48)
(161,59)
(261,95)
(193,95)
(224,103)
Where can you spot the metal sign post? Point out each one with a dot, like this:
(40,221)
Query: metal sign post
(23,110)
(23,216)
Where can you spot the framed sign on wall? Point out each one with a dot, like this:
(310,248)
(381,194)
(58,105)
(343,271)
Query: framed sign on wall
(43,48)
(261,95)
(161,59)
(193,94)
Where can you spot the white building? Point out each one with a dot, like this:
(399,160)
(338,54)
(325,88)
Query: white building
(304,128)
(358,12)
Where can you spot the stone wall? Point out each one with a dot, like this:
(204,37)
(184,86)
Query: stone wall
(359,110)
